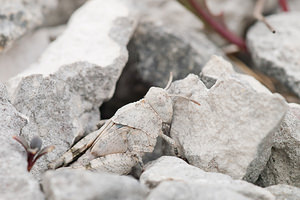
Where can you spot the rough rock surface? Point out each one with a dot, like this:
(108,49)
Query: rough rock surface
(277,54)
(285,192)
(283,166)
(62,92)
(168,38)
(15,181)
(26,51)
(232,131)
(172,178)
(83,185)
(19,17)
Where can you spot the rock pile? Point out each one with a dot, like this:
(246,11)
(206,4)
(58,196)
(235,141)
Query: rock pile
(210,134)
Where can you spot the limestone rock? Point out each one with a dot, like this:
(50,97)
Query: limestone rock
(62,92)
(26,51)
(80,185)
(172,168)
(232,131)
(15,181)
(217,67)
(283,166)
(168,38)
(19,17)
(172,178)
(277,54)
(284,192)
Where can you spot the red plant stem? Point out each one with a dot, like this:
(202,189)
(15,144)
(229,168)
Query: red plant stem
(284,5)
(219,28)
(30,161)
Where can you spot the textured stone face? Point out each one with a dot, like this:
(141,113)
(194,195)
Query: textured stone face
(15,181)
(172,178)
(277,54)
(168,39)
(20,16)
(62,92)
(26,51)
(79,185)
(284,192)
(232,131)
(283,166)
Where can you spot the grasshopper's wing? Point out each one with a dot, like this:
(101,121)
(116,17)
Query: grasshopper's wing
(80,147)
(139,115)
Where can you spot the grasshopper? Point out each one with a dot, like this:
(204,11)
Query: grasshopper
(121,142)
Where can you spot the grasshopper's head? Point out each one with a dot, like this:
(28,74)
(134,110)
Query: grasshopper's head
(161,102)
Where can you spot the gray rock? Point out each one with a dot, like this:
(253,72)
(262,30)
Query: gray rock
(76,184)
(62,92)
(168,38)
(285,192)
(26,51)
(19,17)
(172,168)
(283,166)
(61,12)
(15,181)
(277,54)
(232,131)
(172,178)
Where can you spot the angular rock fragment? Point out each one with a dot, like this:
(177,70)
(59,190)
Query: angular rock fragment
(172,178)
(62,92)
(168,38)
(283,166)
(217,68)
(232,131)
(285,192)
(15,181)
(19,17)
(277,55)
(26,51)
(81,185)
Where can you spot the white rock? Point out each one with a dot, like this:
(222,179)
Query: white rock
(283,166)
(26,51)
(231,132)
(15,181)
(217,67)
(277,54)
(285,192)
(172,178)
(62,92)
(19,17)
(172,168)
(83,185)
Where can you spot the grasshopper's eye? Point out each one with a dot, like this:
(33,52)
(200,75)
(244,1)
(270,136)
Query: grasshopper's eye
(36,143)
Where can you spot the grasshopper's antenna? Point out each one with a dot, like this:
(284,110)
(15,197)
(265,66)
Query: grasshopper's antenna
(180,96)
(170,81)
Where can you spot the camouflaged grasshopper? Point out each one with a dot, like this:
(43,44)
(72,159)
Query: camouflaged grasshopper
(121,142)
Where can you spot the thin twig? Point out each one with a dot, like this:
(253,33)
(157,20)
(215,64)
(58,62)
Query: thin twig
(204,13)
(284,5)
(259,6)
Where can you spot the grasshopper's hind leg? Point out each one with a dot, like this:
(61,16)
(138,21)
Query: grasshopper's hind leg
(119,163)
(79,148)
